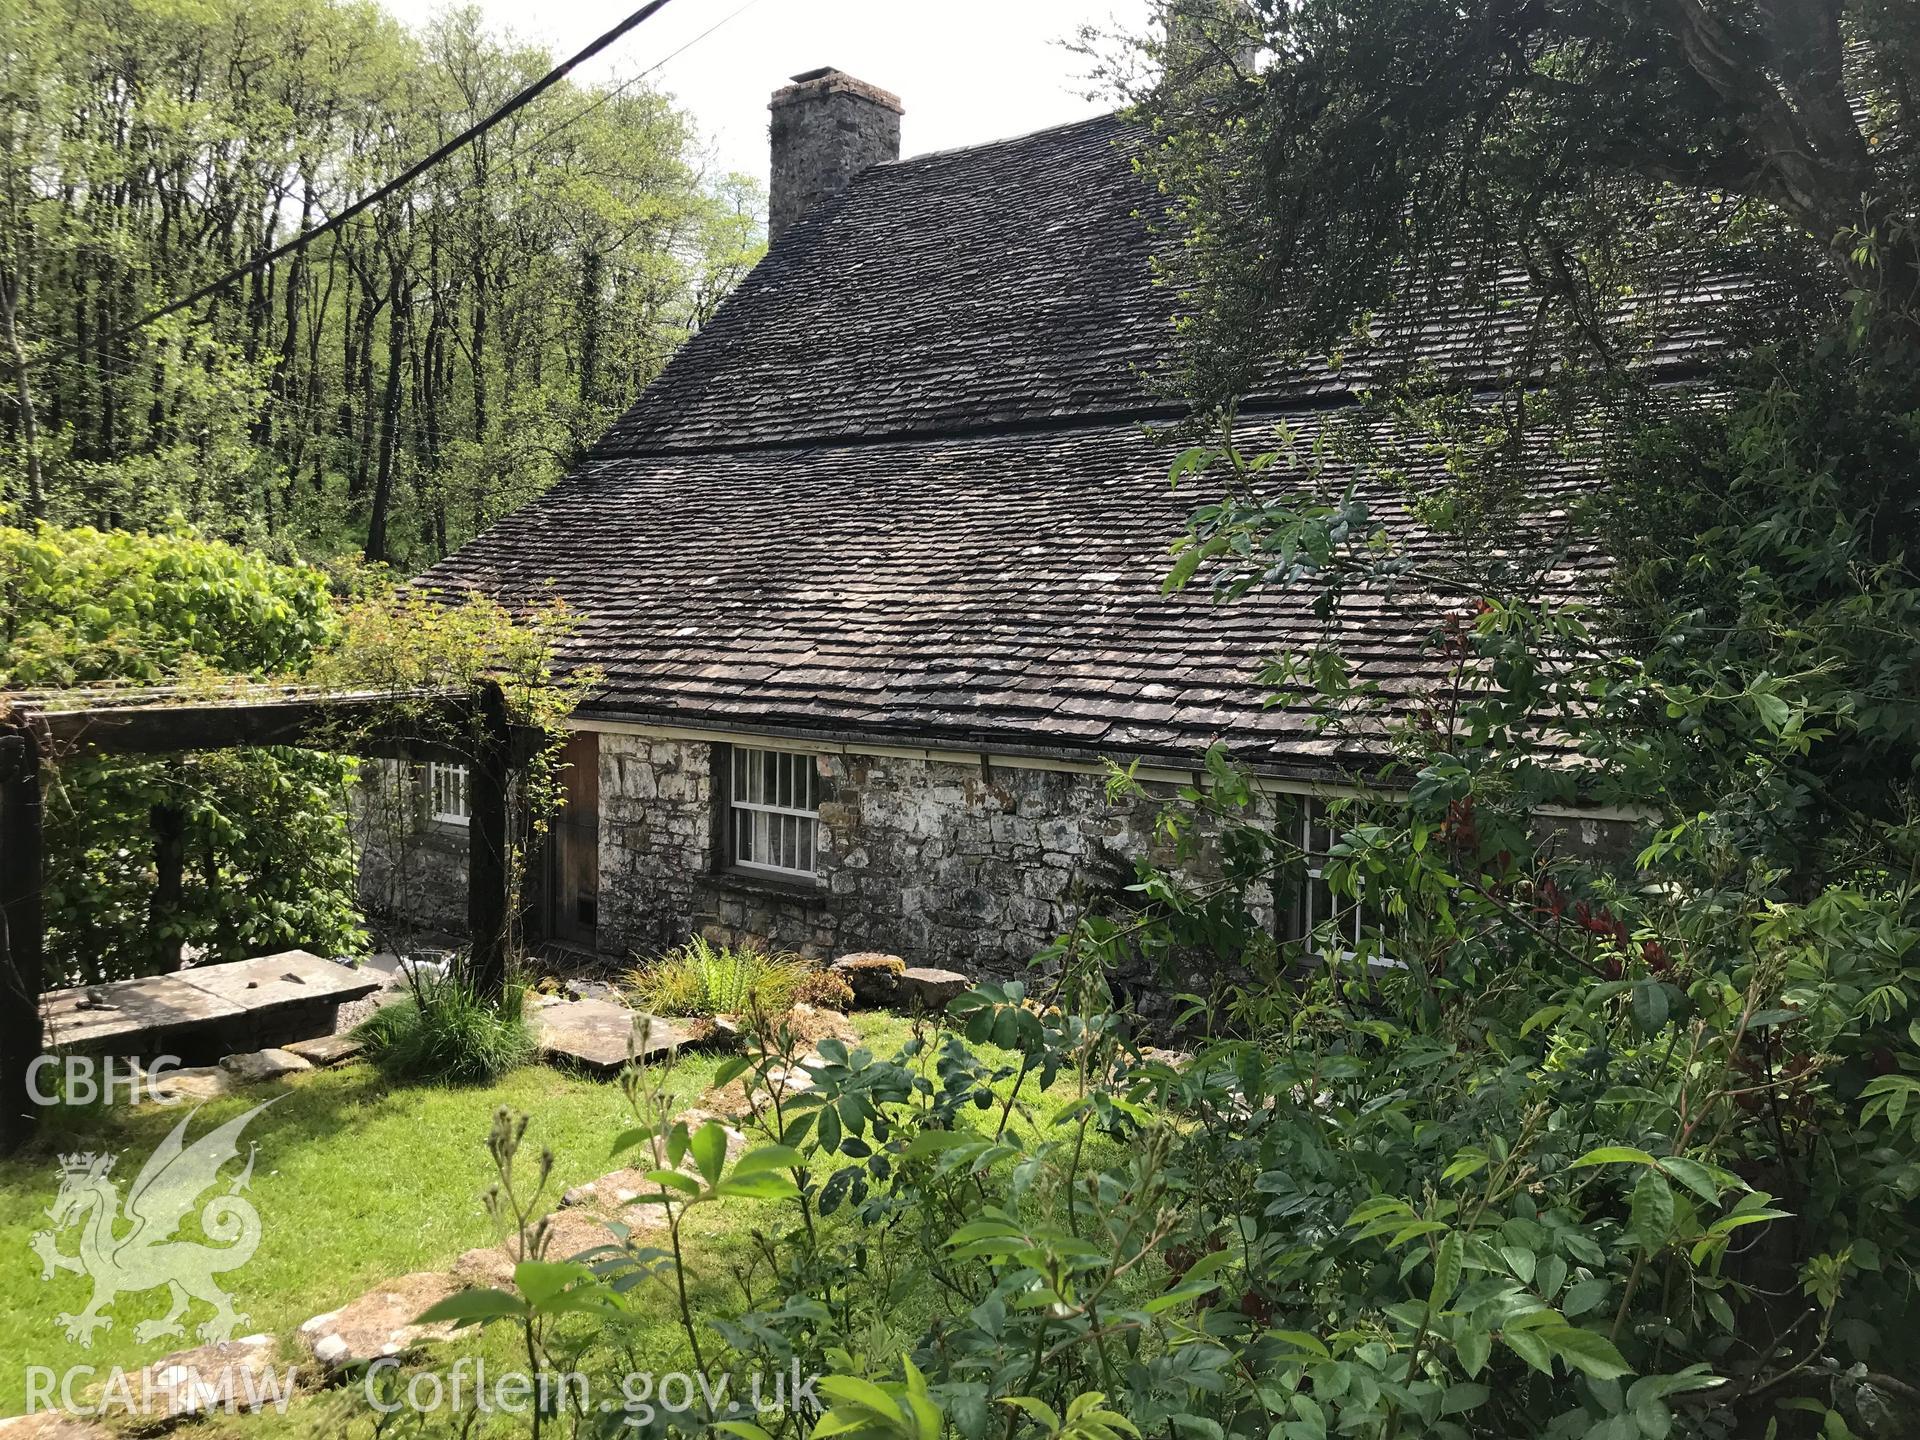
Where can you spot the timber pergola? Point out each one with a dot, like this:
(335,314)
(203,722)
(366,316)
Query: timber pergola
(469,727)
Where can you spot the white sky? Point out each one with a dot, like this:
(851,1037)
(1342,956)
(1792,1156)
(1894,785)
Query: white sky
(967,70)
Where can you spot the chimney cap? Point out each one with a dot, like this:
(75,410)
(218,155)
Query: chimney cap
(828,80)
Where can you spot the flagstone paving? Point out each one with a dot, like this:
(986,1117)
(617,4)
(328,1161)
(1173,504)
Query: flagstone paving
(380,1323)
(598,1036)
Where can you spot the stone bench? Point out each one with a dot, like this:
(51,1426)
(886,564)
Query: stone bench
(206,1011)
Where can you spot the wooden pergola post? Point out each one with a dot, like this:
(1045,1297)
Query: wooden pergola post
(22,942)
(160,722)
(488,842)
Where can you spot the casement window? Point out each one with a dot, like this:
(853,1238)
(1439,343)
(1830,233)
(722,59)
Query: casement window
(773,812)
(1316,903)
(448,801)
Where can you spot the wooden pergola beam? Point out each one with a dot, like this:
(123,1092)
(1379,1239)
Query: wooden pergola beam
(407,725)
(394,724)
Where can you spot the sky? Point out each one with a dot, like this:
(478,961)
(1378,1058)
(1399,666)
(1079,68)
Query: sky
(967,70)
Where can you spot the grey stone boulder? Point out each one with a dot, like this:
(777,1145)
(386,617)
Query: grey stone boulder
(873,977)
(925,988)
(256,1067)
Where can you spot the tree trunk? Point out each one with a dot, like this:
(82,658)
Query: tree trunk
(23,398)
(389,419)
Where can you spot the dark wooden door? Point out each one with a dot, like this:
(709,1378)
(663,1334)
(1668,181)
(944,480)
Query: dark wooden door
(575,887)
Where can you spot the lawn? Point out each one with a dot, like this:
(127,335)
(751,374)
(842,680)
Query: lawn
(355,1181)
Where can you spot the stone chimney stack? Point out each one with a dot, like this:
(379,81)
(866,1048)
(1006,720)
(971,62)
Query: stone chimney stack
(827,128)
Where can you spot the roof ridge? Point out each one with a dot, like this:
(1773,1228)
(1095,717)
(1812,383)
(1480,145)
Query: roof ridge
(1085,121)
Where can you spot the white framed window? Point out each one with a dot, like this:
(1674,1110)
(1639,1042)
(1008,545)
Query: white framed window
(1317,904)
(773,812)
(448,800)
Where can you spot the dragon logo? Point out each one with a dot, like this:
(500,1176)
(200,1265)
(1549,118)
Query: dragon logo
(137,1251)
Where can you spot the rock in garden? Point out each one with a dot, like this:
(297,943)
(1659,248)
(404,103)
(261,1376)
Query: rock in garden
(379,1323)
(814,1023)
(733,1103)
(327,1050)
(611,1192)
(200,1082)
(258,1066)
(923,988)
(874,978)
(598,1036)
(570,1233)
(237,1376)
(52,1425)
(1172,1059)
(716,1035)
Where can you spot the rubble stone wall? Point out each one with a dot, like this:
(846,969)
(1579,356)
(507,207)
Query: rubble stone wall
(959,865)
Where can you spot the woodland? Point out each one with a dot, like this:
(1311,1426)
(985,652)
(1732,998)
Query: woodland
(390,389)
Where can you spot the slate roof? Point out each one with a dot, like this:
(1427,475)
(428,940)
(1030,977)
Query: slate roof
(897,490)
(1004,284)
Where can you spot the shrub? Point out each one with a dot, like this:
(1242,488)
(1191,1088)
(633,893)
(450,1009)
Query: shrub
(701,978)
(823,988)
(258,855)
(447,1031)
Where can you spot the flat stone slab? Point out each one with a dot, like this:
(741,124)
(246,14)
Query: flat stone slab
(610,1193)
(598,1036)
(151,1010)
(52,1425)
(732,1104)
(1172,1059)
(292,977)
(198,1082)
(327,1051)
(237,1377)
(256,1067)
(144,1015)
(924,988)
(378,1324)
(570,1233)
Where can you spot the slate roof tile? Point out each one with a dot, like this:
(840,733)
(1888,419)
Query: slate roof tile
(897,489)
(997,593)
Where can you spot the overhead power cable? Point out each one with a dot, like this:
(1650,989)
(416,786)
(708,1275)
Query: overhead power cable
(616,91)
(405,177)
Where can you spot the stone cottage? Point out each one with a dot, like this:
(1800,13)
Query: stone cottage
(872,572)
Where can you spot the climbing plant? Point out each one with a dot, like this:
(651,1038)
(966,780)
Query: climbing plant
(234,853)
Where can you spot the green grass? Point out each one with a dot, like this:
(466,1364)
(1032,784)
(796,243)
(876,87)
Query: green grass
(447,1029)
(700,978)
(356,1181)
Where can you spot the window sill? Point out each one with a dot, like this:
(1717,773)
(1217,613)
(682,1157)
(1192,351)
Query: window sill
(750,882)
